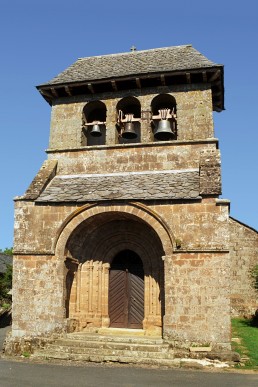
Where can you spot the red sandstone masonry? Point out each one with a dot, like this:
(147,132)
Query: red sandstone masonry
(178,240)
(200,293)
(244,257)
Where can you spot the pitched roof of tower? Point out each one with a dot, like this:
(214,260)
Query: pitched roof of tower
(157,60)
(136,70)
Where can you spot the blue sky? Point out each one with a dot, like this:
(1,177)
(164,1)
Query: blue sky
(41,38)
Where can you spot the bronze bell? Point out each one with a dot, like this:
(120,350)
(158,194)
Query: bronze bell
(164,132)
(129,132)
(95,131)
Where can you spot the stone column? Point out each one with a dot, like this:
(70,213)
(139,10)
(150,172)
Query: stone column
(168,277)
(152,304)
(78,287)
(111,132)
(104,292)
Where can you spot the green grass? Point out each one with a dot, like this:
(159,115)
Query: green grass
(247,346)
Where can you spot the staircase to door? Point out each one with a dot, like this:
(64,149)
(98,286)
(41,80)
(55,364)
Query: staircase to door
(126,291)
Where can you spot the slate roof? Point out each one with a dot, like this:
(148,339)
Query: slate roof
(159,60)
(181,184)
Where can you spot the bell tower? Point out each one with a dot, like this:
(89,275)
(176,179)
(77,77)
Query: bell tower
(132,180)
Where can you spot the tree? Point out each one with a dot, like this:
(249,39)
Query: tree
(7,251)
(6,285)
(6,279)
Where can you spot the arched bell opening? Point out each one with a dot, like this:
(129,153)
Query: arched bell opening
(163,108)
(128,120)
(94,123)
(97,247)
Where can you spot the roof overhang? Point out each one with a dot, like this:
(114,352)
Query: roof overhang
(214,76)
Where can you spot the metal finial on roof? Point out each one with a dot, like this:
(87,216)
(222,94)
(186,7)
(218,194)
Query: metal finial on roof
(133,48)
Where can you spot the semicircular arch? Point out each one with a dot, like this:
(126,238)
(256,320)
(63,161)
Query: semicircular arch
(136,211)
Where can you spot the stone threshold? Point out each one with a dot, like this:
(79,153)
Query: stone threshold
(121,332)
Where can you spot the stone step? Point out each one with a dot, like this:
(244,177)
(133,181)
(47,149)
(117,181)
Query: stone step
(82,337)
(99,358)
(124,345)
(121,332)
(96,347)
(160,354)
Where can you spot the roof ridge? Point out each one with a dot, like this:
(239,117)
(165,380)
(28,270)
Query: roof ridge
(135,52)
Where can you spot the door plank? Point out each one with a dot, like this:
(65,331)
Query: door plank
(117,298)
(126,291)
(136,303)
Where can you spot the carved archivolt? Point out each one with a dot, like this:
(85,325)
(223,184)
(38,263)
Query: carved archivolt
(89,247)
(137,211)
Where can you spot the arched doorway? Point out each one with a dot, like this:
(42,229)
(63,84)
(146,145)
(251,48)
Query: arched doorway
(119,281)
(92,243)
(126,291)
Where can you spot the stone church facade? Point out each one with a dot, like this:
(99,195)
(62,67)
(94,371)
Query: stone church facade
(123,226)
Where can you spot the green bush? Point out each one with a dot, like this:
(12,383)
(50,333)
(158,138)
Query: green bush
(7,251)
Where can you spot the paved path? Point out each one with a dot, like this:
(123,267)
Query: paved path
(28,374)
(33,374)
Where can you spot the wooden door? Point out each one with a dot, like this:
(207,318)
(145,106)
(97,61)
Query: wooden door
(126,291)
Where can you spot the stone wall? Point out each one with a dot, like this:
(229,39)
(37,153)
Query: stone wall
(38,292)
(133,158)
(198,225)
(244,257)
(196,285)
(194,115)
(210,172)
(162,195)
(191,274)
(36,227)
